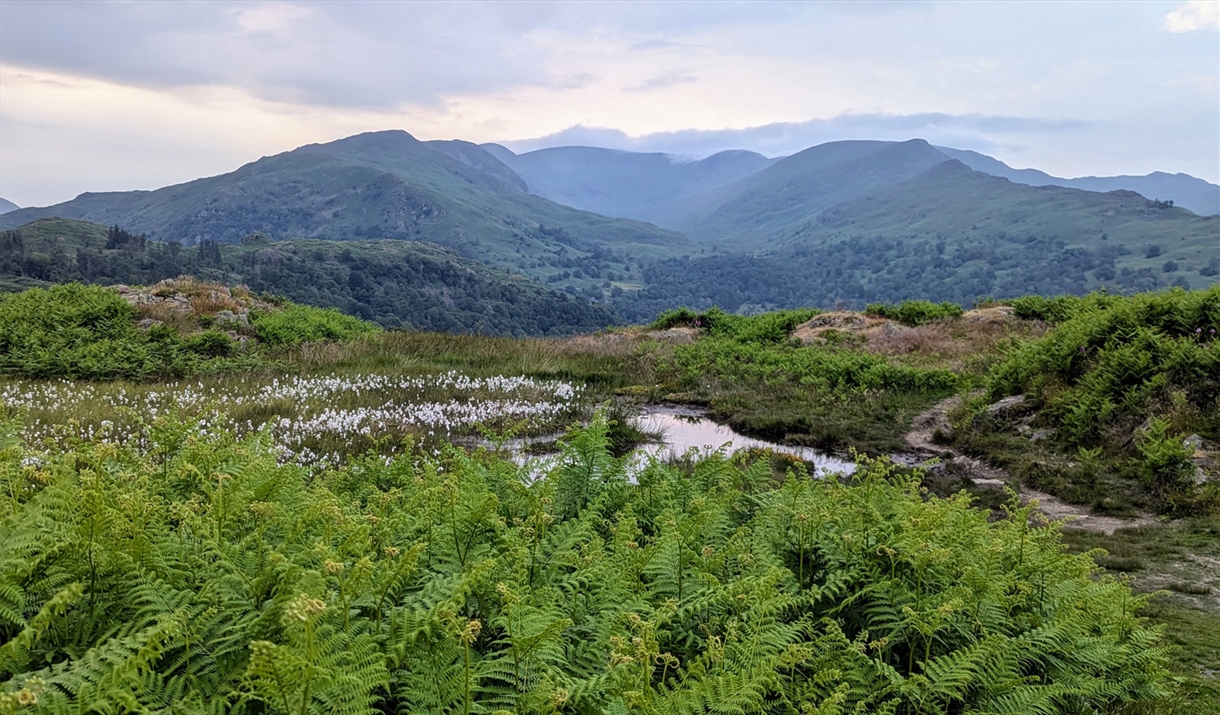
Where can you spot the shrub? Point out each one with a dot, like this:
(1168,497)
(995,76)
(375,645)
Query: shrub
(1060,308)
(1113,362)
(676,318)
(810,367)
(74,331)
(89,332)
(297,324)
(210,343)
(914,312)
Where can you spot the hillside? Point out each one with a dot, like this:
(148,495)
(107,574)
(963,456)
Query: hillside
(1184,190)
(384,185)
(749,212)
(634,185)
(6,206)
(950,234)
(856,221)
(395,283)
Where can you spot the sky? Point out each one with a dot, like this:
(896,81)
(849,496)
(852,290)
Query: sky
(104,96)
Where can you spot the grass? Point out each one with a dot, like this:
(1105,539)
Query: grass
(1181,560)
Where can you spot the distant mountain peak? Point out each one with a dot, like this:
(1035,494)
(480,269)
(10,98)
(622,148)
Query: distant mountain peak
(6,206)
(1184,190)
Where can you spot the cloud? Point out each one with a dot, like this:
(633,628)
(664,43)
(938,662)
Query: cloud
(663,81)
(218,82)
(969,131)
(1194,15)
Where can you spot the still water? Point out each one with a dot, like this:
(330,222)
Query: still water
(683,429)
(680,430)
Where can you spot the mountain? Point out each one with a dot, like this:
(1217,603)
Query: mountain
(386,185)
(635,185)
(851,221)
(396,283)
(6,206)
(752,210)
(949,233)
(676,194)
(1183,189)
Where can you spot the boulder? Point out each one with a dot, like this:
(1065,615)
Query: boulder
(1005,407)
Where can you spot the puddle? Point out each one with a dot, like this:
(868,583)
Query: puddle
(683,429)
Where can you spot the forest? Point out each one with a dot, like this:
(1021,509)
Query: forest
(394,283)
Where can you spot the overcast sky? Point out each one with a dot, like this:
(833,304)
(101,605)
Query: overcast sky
(99,96)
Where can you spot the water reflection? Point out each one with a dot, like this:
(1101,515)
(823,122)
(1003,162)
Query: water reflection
(683,429)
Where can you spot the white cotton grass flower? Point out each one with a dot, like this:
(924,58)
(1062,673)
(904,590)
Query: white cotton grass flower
(340,414)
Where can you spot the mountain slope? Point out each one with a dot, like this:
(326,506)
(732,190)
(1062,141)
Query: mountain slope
(396,283)
(6,206)
(1183,189)
(384,185)
(748,212)
(950,233)
(634,185)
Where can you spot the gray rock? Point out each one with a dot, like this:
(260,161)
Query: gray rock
(1039,435)
(1004,406)
(1194,442)
(148,323)
(228,316)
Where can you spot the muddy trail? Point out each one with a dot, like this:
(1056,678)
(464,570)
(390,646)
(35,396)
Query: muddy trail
(920,440)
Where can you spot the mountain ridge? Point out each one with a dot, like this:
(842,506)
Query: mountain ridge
(1189,192)
(384,185)
(868,211)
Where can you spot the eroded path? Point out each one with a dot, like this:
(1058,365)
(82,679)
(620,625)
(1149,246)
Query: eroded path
(919,438)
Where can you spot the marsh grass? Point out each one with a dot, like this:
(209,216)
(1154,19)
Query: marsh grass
(611,360)
(314,417)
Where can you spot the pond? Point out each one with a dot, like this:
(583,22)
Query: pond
(683,429)
(680,429)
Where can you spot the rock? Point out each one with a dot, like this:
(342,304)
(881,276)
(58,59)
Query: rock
(148,323)
(676,336)
(1039,435)
(1004,406)
(1194,442)
(228,316)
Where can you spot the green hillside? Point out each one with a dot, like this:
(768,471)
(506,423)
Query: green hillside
(853,221)
(385,185)
(749,212)
(395,283)
(950,234)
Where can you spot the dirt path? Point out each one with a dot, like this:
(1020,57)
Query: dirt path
(985,475)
